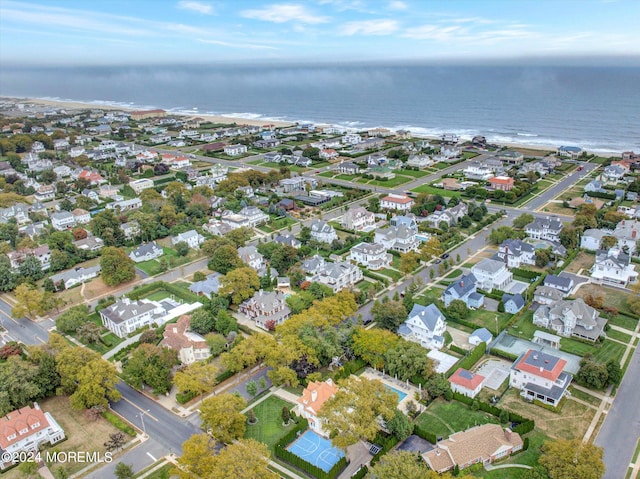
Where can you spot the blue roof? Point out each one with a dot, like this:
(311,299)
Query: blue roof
(427,314)
(483,334)
(575,149)
(517,299)
(462,285)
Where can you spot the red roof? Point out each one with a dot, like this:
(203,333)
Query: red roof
(466,379)
(397,199)
(19,420)
(501,180)
(526,364)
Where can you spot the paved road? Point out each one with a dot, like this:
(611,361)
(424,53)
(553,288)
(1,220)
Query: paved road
(621,429)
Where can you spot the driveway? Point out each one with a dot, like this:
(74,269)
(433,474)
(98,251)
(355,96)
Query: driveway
(415,444)
(495,371)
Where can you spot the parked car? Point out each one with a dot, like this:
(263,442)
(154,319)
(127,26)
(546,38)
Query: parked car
(445,256)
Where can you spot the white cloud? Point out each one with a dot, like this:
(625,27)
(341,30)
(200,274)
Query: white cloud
(370,27)
(398,5)
(433,32)
(197,7)
(282,13)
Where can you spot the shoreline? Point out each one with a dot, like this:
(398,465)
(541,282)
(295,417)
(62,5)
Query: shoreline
(79,105)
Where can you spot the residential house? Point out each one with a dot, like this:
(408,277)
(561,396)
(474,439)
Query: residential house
(33,230)
(235,150)
(347,168)
(513,303)
(216,227)
(420,161)
(45,193)
(328,154)
(398,238)
(130,229)
(477,171)
(480,335)
(126,316)
(63,220)
(515,253)
(81,216)
(234,220)
(504,183)
(75,276)
(463,289)
(408,220)
(208,286)
(191,237)
(572,152)
(594,186)
(450,216)
(323,232)
(310,403)
(351,139)
(125,205)
(358,219)
(337,276)
(592,238)
(287,204)
(297,183)
(466,383)
(564,284)
(371,256)
(571,318)
(140,185)
(189,345)
(90,243)
(252,258)
(396,202)
(146,252)
(111,191)
(547,295)
(628,234)
(613,267)
(267,308)
(510,157)
(425,325)
(41,253)
(255,216)
(478,445)
(26,430)
(614,173)
(491,274)
(288,239)
(92,177)
(91,194)
(547,228)
(273,157)
(540,376)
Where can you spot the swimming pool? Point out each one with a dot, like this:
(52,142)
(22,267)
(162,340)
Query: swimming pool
(400,394)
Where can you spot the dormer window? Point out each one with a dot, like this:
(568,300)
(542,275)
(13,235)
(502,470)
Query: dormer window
(36,425)
(24,431)
(12,436)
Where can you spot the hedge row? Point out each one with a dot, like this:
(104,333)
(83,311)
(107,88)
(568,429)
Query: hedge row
(349,368)
(387,442)
(468,361)
(504,354)
(457,349)
(119,423)
(371,275)
(525,273)
(598,194)
(363,471)
(494,294)
(426,435)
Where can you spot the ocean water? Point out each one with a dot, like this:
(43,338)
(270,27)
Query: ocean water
(595,108)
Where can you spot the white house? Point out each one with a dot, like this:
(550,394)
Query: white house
(466,383)
(396,202)
(591,238)
(571,318)
(191,347)
(547,228)
(337,275)
(267,308)
(81,216)
(254,215)
(26,430)
(235,150)
(126,316)
(372,256)
(398,238)
(63,220)
(614,173)
(420,161)
(627,233)
(614,267)
(491,274)
(251,256)
(540,376)
(75,276)
(125,205)
(140,185)
(191,237)
(310,403)
(425,325)
(515,253)
(146,252)
(323,232)
(358,219)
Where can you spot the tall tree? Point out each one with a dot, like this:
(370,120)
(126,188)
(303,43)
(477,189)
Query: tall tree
(409,262)
(389,315)
(221,417)
(408,359)
(224,259)
(572,459)
(7,277)
(31,269)
(198,378)
(105,225)
(523,220)
(116,266)
(405,465)
(151,365)
(72,319)
(240,284)
(96,385)
(372,344)
(352,413)
(28,301)
(431,248)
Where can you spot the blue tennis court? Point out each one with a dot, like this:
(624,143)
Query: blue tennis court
(316,450)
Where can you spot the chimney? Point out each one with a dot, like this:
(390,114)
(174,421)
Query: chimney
(507,434)
(314,395)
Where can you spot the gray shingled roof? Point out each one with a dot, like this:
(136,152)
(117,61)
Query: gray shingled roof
(427,314)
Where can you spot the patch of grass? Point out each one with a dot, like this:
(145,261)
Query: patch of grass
(269,428)
(347,177)
(395,275)
(579,394)
(119,423)
(437,191)
(327,174)
(159,295)
(443,418)
(454,274)
(624,322)
(613,298)
(524,327)
(393,182)
(487,319)
(583,261)
(414,173)
(161,473)
(620,336)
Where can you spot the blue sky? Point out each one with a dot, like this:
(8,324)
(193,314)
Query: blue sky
(200,31)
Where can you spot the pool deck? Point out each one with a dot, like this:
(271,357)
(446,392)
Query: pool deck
(401,386)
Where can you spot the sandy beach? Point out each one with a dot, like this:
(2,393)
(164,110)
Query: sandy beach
(70,105)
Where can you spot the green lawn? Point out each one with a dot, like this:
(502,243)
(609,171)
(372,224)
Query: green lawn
(469,154)
(454,274)
(162,473)
(347,177)
(414,173)
(620,336)
(269,428)
(441,166)
(436,191)
(487,319)
(443,418)
(327,174)
(524,327)
(393,182)
(624,322)
(391,273)
(608,350)
(159,295)
(528,458)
